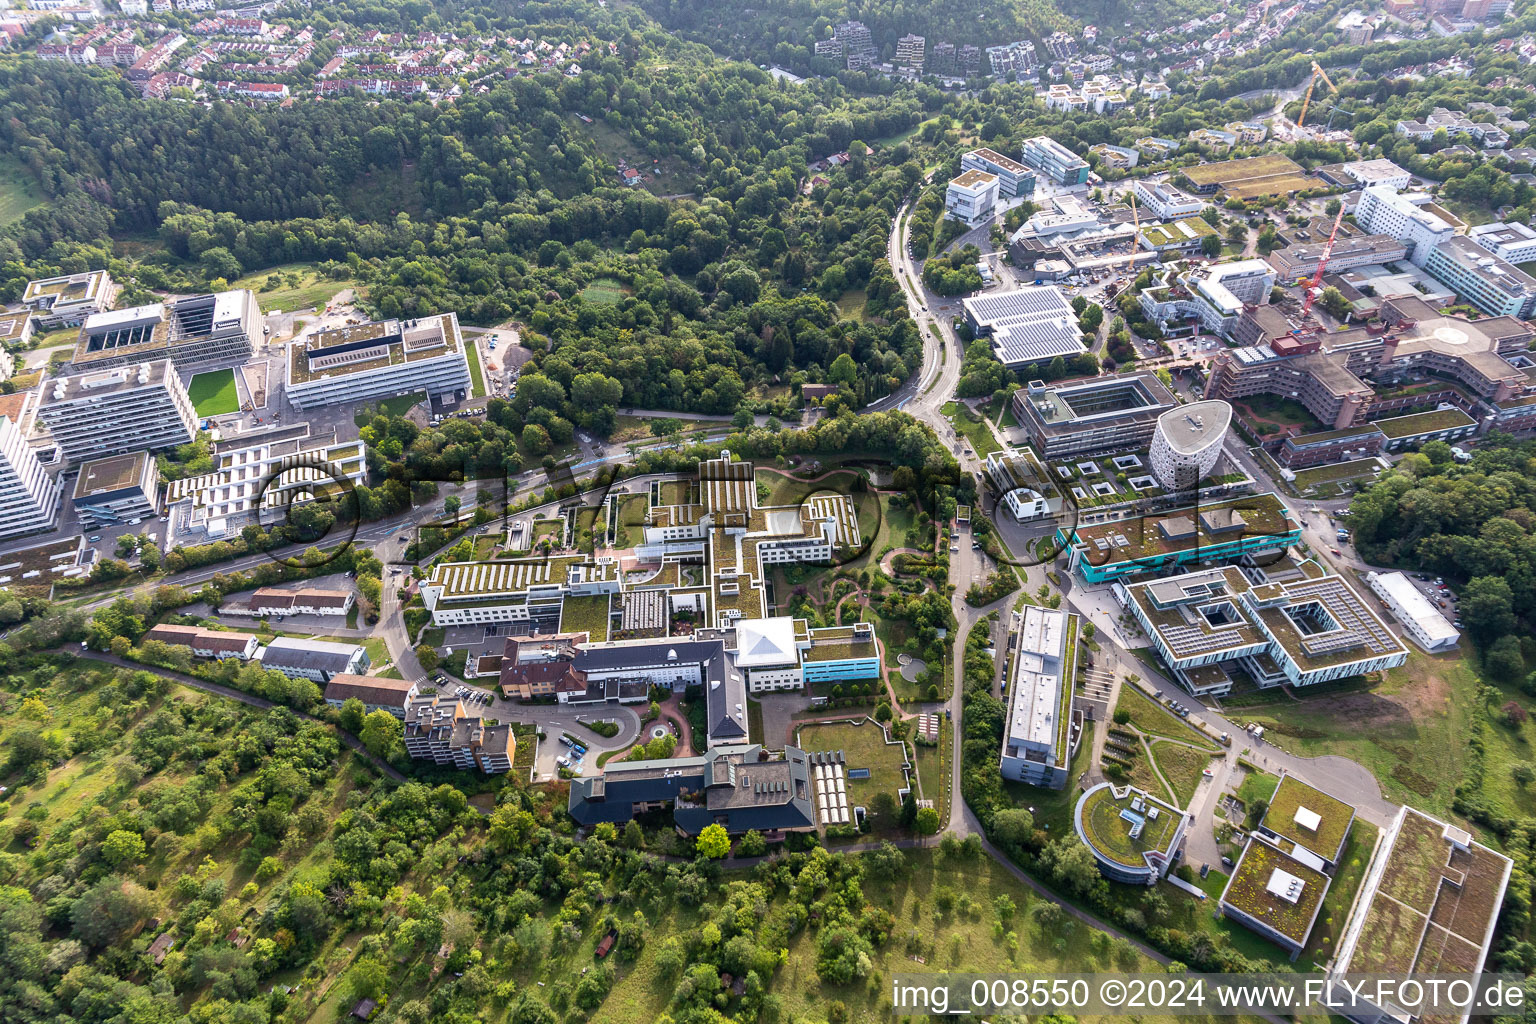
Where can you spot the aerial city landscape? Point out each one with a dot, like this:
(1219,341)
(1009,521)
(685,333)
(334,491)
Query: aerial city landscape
(700,512)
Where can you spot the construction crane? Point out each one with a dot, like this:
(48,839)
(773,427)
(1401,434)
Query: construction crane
(1317,72)
(1315,286)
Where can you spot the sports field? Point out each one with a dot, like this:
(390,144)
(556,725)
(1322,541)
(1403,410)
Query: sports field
(213,393)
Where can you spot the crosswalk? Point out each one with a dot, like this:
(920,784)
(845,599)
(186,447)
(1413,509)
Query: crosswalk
(1097,690)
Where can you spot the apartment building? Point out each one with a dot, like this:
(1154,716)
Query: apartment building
(1488,281)
(377,693)
(911,51)
(438,729)
(113,412)
(316,660)
(1115,157)
(222,328)
(1410,217)
(1084,418)
(1514,241)
(29,496)
(1456,125)
(1054,160)
(362,362)
(1042,731)
(1166,202)
(117,489)
(206,643)
(270,470)
(971,198)
(1014,180)
(66,301)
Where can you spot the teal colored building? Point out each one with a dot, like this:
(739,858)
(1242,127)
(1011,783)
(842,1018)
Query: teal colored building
(1218,533)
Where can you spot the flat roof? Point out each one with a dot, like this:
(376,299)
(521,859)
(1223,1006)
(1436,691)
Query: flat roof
(1040,698)
(1008,164)
(111,474)
(1261,515)
(1308,817)
(1423,422)
(1429,902)
(973,179)
(1408,601)
(1278,891)
(1191,429)
(1108,818)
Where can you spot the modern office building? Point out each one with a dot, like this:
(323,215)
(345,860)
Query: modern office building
(1253,525)
(1410,217)
(1384,173)
(1428,904)
(1299,261)
(1324,447)
(1083,418)
(1490,282)
(1181,237)
(1022,485)
(1167,202)
(1514,241)
(1275,894)
(1033,324)
(1133,835)
(117,489)
(380,359)
(1294,632)
(16,330)
(1014,180)
(143,407)
(1041,734)
(1420,619)
(1187,443)
(1054,160)
(529,590)
(264,473)
(316,660)
(66,301)
(972,197)
(223,328)
(29,497)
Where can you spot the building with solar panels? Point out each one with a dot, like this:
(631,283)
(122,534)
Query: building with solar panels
(1033,324)
(1294,632)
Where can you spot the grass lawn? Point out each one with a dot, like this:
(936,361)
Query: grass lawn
(1182,767)
(1270,412)
(1308,480)
(1346,882)
(396,406)
(476,377)
(863,746)
(973,428)
(19,191)
(1257,785)
(1155,720)
(850,304)
(291,286)
(934,770)
(604,291)
(586,615)
(1410,730)
(629,520)
(213,393)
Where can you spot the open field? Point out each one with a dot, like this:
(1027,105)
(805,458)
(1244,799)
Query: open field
(1155,720)
(972,428)
(1410,730)
(604,291)
(291,286)
(476,375)
(1230,173)
(399,405)
(213,393)
(1182,767)
(19,191)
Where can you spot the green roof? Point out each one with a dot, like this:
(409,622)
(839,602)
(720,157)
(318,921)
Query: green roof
(1249,891)
(1110,835)
(1423,423)
(1293,795)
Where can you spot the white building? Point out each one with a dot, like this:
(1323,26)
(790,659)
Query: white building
(1013,178)
(29,497)
(1410,217)
(375,360)
(220,328)
(126,409)
(271,469)
(1188,442)
(1420,619)
(766,651)
(1032,324)
(972,197)
(1216,294)
(68,300)
(1039,736)
(1377,172)
(1165,201)
(1514,241)
(315,660)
